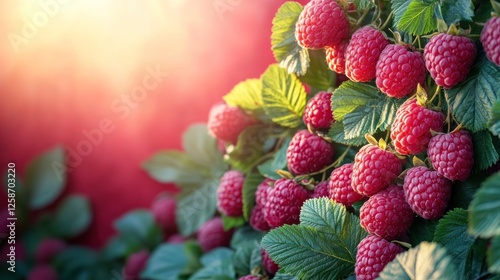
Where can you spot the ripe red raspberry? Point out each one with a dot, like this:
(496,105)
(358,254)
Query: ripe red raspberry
(335,57)
(374,169)
(339,186)
(321,190)
(212,235)
(284,202)
(449,58)
(387,214)
(42,272)
(318,112)
(135,265)
(362,53)
(399,71)
(229,193)
(163,210)
(249,277)
(226,122)
(490,38)
(257,220)
(322,23)
(411,129)
(269,265)
(262,191)
(427,192)
(48,248)
(452,154)
(373,254)
(308,153)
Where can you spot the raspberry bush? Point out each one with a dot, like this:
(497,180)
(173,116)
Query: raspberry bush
(302,173)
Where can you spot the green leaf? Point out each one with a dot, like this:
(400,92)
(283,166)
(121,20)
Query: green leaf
(451,233)
(284,46)
(252,181)
(247,257)
(457,10)
(471,101)
(318,75)
(246,95)
(218,264)
(196,206)
(421,230)
(173,167)
(463,192)
(45,177)
(485,152)
(73,261)
(399,7)
(72,217)
(202,149)
(494,122)
(167,262)
(484,211)
(426,261)
(138,227)
(364,4)
(363,109)
(117,247)
(232,222)
(337,134)
(284,276)
(278,162)
(284,97)
(323,246)
(419,18)
(245,234)
(493,256)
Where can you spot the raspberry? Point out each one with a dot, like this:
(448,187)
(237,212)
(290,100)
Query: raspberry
(47,249)
(373,170)
(134,265)
(490,38)
(321,190)
(410,131)
(176,239)
(318,112)
(449,58)
(339,186)
(373,254)
(269,265)
(452,154)
(399,71)
(284,202)
(335,57)
(42,272)
(226,122)
(322,23)
(362,53)
(229,193)
(249,277)
(387,214)
(262,191)
(257,220)
(163,210)
(308,153)
(212,235)
(427,192)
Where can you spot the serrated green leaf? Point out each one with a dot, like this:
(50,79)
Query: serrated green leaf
(139,227)
(485,152)
(247,257)
(173,167)
(284,97)
(337,134)
(252,181)
(426,261)
(45,178)
(471,101)
(323,246)
(167,262)
(196,206)
(278,162)
(73,216)
(419,18)
(494,122)
(421,230)
(284,276)
(484,211)
(364,4)
(232,222)
(463,192)
(349,95)
(451,233)
(247,95)
(399,8)
(245,234)
(218,264)
(202,149)
(286,51)
(493,256)
(457,10)
(318,75)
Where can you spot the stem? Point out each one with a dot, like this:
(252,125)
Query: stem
(334,164)
(386,21)
(387,135)
(365,12)
(448,114)
(436,93)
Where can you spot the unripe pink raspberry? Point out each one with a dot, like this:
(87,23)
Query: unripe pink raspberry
(229,193)
(373,254)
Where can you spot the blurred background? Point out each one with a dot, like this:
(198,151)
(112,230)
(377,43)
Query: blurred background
(126,75)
